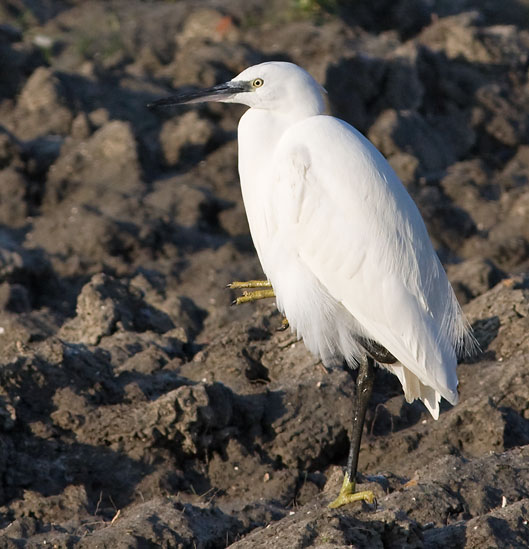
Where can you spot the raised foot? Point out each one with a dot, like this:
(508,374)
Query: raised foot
(348,495)
(248,297)
(237,285)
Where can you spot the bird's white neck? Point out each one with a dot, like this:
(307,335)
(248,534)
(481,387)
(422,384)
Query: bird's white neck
(258,134)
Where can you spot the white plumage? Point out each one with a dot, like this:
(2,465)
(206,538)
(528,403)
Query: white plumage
(340,239)
(338,236)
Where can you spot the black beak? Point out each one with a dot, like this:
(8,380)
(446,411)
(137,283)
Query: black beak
(221,92)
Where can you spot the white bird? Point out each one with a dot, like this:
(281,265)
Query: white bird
(344,248)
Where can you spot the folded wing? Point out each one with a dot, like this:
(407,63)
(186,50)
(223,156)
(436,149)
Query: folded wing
(358,231)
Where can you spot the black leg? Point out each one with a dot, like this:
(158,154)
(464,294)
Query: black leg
(364,387)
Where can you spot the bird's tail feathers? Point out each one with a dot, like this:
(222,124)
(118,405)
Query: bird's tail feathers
(414,388)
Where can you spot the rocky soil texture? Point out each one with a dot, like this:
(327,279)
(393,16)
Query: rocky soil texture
(137,408)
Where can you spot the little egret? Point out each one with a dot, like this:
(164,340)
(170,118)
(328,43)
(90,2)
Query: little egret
(344,248)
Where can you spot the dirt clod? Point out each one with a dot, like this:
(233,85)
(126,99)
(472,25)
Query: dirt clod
(137,408)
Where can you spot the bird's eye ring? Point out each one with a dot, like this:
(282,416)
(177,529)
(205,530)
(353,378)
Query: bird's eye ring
(258,82)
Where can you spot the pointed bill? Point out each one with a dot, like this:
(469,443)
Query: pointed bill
(221,92)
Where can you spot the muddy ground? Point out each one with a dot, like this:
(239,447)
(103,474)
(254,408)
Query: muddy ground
(137,408)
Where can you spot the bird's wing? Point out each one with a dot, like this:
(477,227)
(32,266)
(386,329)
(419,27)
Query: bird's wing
(358,231)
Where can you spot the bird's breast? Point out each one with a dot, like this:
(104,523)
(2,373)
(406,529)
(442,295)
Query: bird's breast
(258,135)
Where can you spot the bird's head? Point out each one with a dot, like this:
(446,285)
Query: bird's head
(275,85)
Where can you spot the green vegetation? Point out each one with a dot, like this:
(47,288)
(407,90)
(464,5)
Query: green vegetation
(105,43)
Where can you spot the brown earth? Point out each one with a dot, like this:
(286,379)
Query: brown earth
(137,408)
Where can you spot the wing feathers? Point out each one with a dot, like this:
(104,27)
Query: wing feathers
(358,231)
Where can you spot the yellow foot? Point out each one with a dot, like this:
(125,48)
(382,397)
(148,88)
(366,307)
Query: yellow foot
(348,495)
(248,297)
(250,284)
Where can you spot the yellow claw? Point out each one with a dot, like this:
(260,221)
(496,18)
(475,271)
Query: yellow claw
(348,495)
(284,325)
(248,297)
(249,284)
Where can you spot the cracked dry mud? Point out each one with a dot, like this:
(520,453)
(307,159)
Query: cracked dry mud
(137,408)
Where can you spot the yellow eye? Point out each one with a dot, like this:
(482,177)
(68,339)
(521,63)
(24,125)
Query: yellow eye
(258,82)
